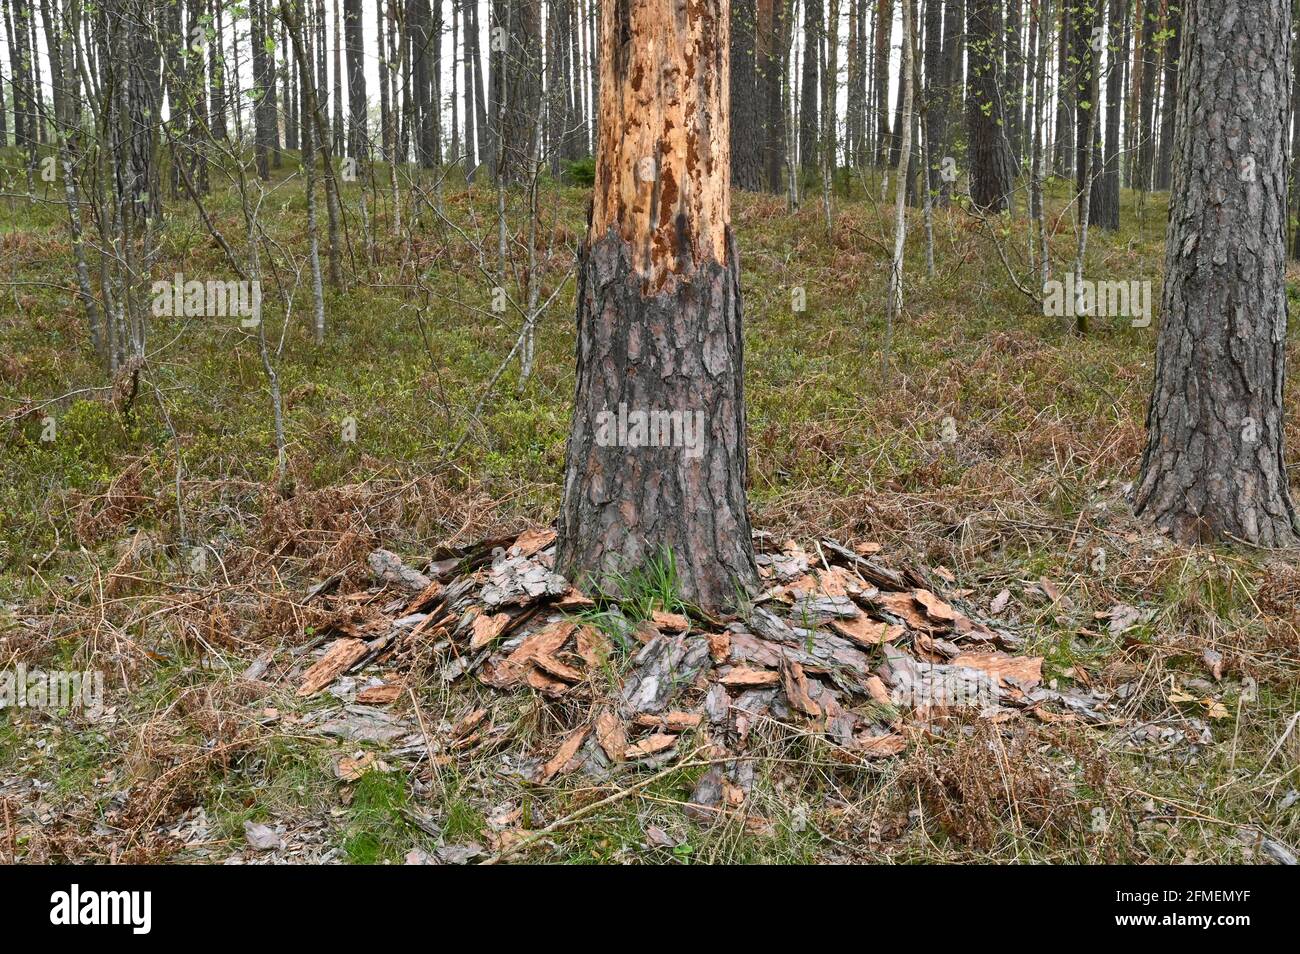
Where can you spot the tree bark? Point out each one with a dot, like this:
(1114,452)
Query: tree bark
(746,145)
(990,158)
(1105,187)
(809,130)
(1168,112)
(1213,468)
(659,315)
(771,64)
(884,24)
(354,41)
(1147,98)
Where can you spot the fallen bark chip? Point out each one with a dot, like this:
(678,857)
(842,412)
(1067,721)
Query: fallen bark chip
(532,541)
(468,723)
(341,655)
(425,598)
(553,667)
(1027,671)
(651,745)
(795,684)
(867,632)
(515,667)
(934,607)
(611,735)
(389,568)
(546,684)
(746,677)
(486,628)
(670,622)
(568,749)
(380,695)
(593,646)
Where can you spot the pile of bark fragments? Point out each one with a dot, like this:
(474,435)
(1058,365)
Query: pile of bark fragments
(838,644)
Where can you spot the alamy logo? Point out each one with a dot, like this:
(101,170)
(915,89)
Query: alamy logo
(624,428)
(73,907)
(52,689)
(1106,299)
(208,299)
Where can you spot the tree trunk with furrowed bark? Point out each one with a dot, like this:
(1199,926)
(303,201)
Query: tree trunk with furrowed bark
(1213,467)
(659,315)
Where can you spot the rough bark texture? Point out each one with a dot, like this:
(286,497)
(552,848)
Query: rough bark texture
(990,156)
(770,66)
(809,129)
(884,17)
(1213,467)
(1168,112)
(1104,208)
(936,81)
(354,40)
(1147,94)
(658,310)
(746,132)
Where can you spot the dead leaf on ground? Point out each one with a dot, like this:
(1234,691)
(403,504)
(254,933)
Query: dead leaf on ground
(879,746)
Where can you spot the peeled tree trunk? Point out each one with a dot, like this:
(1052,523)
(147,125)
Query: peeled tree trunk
(1213,467)
(655,467)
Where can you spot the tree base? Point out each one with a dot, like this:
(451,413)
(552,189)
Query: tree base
(656,455)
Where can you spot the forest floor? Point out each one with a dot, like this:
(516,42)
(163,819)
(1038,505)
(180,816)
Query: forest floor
(154,541)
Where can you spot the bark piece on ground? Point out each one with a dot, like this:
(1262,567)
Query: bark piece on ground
(746,677)
(567,750)
(661,669)
(795,684)
(486,628)
(650,745)
(867,632)
(670,622)
(532,541)
(380,695)
(611,735)
(388,567)
(520,581)
(507,672)
(340,657)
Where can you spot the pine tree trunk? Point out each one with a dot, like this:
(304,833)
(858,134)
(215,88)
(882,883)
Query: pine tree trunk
(1015,81)
(1168,112)
(990,158)
(746,146)
(1105,188)
(1147,98)
(354,40)
(1214,467)
(936,82)
(771,70)
(1063,145)
(954,35)
(884,23)
(809,131)
(659,316)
